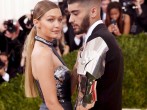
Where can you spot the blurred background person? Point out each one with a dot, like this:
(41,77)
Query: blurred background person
(104,5)
(137,10)
(15,40)
(117,22)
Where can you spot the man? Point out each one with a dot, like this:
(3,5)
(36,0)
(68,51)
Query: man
(100,88)
(104,5)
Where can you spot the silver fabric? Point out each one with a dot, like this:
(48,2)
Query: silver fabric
(60,75)
(91,65)
(60,72)
(92,58)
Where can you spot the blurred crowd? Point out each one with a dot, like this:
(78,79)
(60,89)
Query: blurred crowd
(123,17)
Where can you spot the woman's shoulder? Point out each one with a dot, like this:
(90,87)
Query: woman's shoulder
(126,17)
(41,52)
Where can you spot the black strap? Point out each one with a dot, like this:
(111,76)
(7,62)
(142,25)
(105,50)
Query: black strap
(59,57)
(50,44)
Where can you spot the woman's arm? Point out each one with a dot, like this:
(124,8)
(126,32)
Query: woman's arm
(126,24)
(43,67)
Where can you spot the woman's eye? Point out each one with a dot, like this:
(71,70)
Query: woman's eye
(51,20)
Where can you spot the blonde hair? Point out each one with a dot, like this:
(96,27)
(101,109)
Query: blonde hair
(40,9)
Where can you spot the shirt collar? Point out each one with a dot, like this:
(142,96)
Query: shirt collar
(91,29)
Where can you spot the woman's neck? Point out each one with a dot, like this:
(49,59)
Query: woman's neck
(45,38)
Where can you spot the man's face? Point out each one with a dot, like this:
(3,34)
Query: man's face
(79,18)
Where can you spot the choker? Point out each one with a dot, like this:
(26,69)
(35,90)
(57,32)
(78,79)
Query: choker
(43,41)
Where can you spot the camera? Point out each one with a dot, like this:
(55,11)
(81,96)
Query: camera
(128,4)
(10,25)
(113,21)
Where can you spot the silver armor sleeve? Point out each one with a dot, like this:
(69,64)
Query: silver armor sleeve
(91,66)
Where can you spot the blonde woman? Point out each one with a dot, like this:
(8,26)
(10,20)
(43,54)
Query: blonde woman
(45,70)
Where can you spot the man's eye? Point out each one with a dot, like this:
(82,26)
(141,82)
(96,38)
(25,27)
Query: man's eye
(60,20)
(75,13)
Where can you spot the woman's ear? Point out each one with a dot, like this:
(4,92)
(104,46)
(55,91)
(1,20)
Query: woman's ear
(36,23)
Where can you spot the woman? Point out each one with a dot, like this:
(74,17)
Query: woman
(117,22)
(44,67)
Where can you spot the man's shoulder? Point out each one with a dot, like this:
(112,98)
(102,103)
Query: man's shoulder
(102,31)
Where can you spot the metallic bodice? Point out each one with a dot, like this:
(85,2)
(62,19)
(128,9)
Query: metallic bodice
(63,84)
(62,76)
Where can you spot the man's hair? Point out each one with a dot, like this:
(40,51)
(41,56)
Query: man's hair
(88,2)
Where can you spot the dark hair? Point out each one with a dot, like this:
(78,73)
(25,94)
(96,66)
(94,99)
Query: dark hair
(11,26)
(73,1)
(115,5)
(63,8)
(83,1)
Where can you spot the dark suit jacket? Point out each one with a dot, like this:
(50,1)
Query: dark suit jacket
(109,86)
(69,37)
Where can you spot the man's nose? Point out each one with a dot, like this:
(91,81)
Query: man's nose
(71,19)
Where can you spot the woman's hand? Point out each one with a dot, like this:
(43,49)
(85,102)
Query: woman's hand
(110,27)
(116,30)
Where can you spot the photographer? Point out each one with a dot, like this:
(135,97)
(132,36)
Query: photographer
(104,5)
(137,10)
(13,31)
(15,38)
(117,22)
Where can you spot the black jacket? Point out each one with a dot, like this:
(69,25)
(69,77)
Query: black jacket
(109,86)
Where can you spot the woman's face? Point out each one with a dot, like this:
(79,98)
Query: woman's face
(50,24)
(114,14)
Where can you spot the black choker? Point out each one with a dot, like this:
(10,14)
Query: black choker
(43,41)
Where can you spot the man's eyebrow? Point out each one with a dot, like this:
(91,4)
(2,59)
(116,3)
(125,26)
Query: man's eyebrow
(74,11)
